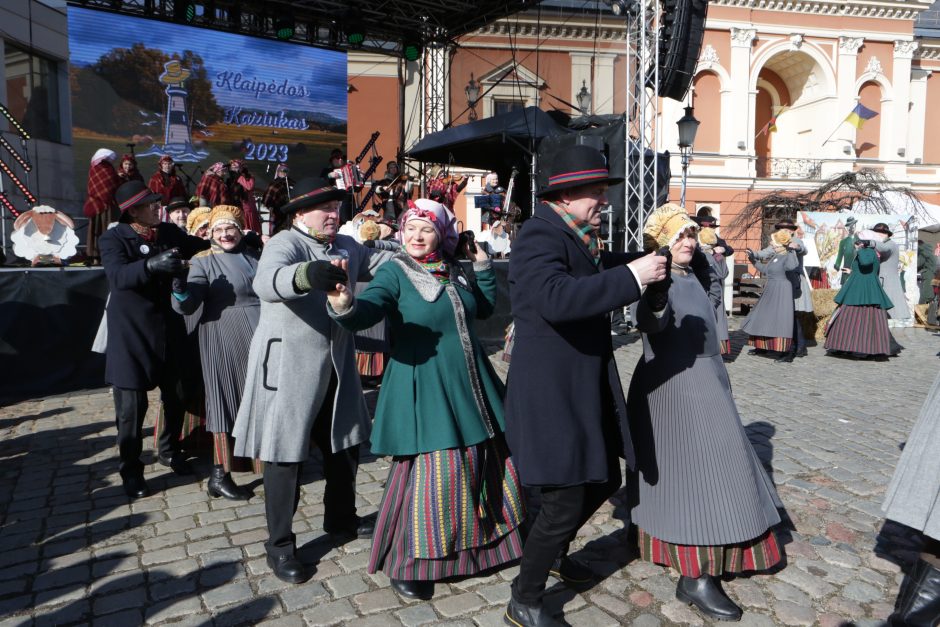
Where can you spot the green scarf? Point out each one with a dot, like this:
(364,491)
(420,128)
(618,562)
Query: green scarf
(585,231)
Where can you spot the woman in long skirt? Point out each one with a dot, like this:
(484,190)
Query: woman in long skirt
(769,326)
(453,502)
(702,502)
(220,280)
(707,240)
(859,326)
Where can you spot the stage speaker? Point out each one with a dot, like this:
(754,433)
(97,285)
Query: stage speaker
(681,30)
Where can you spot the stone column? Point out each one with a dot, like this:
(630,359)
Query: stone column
(742,101)
(846,95)
(918,116)
(581,75)
(901,81)
(603,88)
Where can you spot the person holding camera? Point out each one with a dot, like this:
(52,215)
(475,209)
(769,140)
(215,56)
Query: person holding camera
(700,498)
(440,412)
(146,339)
(859,326)
(565,410)
(302,384)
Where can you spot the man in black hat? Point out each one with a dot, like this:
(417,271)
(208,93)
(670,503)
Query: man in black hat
(302,382)
(141,255)
(177,211)
(565,409)
(889,272)
(709,222)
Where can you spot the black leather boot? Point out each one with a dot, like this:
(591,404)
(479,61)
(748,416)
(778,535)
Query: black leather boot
(520,615)
(288,568)
(919,601)
(786,358)
(571,571)
(221,484)
(706,594)
(413,589)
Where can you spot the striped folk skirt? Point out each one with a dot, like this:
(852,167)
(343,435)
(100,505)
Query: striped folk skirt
(762,553)
(449,513)
(778,344)
(724,347)
(859,329)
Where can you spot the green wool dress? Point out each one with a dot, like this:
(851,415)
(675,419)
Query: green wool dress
(862,286)
(430,398)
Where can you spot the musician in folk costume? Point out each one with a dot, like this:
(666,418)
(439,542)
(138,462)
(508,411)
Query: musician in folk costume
(445,188)
(212,189)
(344,181)
(392,193)
(165,182)
(241,185)
(128,170)
(276,196)
(100,207)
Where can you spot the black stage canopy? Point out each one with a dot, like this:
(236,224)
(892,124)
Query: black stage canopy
(387,25)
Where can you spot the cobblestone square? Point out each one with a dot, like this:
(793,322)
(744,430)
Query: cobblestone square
(74,550)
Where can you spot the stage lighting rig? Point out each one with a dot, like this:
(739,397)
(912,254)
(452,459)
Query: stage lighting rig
(13,121)
(6,202)
(411,50)
(184,10)
(23,163)
(16,181)
(352,26)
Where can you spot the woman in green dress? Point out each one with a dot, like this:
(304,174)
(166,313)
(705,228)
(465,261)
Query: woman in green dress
(453,501)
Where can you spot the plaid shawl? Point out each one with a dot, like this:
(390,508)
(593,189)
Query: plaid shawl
(168,185)
(585,231)
(103,181)
(276,195)
(133,175)
(214,190)
(448,188)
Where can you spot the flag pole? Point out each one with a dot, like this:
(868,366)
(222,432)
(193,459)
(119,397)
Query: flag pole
(838,126)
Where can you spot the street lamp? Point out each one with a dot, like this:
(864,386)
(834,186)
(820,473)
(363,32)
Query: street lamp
(584,99)
(473,94)
(688,126)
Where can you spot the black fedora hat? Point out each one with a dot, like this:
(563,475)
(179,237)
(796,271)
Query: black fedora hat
(708,221)
(177,203)
(882,228)
(577,166)
(785,223)
(310,192)
(134,193)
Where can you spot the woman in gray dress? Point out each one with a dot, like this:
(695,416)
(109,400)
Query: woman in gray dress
(769,326)
(718,265)
(702,502)
(220,281)
(913,499)
(890,274)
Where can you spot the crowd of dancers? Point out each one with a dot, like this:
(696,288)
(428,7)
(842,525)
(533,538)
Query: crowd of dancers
(274,321)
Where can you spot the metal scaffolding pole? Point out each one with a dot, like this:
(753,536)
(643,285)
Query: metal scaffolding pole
(642,112)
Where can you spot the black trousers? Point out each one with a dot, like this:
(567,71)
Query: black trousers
(564,511)
(799,340)
(130,408)
(282,485)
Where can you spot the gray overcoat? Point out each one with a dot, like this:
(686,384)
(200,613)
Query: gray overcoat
(890,275)
(292,352)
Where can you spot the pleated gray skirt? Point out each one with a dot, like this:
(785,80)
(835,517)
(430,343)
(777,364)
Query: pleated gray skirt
(772,316)
(698,479)
(913,496)
(223,350)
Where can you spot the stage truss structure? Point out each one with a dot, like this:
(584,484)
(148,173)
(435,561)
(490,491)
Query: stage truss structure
(642,119)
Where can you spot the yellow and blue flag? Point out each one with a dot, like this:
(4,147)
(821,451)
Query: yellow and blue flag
(859,114)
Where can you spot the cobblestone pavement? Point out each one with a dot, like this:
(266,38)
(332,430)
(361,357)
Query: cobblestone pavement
(74,550)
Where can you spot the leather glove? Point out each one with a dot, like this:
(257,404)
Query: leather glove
(369,243)
(178,284)
(167,262)
(657,294)
(322,275)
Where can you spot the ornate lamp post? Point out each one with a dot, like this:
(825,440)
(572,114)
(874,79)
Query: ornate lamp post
(688,126)
(584,99)
(473,94)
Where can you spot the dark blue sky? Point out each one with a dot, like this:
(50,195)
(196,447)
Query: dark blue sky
(321,72)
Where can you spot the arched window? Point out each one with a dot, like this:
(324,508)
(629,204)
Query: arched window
(867,138)
(707,90)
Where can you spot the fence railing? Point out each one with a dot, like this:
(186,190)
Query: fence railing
(789,168)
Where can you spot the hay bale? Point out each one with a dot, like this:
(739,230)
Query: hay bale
(823,303)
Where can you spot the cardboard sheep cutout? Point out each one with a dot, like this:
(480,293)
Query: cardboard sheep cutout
(44,236)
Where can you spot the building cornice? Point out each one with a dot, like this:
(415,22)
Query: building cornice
(928,50)
(898,9)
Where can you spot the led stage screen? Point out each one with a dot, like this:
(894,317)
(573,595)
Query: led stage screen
(201,96)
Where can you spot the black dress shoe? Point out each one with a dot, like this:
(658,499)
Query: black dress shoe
(802,352)
(756,351)
(918,603)
(571,571)
(706,594)
(786,358)
(413,589)
(177,464)
(136,487)
(519,615)
(221,484)
(288,568)
(362,529)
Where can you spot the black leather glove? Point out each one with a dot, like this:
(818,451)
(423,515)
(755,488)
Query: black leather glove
(466,239)
(657,294)
(178,284)
(369,243)
(167,262)
(322,275)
